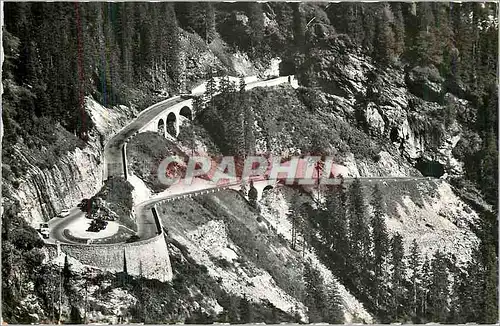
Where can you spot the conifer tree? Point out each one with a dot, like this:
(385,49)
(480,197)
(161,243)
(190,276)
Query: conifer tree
(341,225)
(211,88)
(360,237)
(384,42)
(398,277)
(426,48)
(333,313)
(398,29)
(438,289)
(424,290)
(66,274)
(256,25)
(245,310)
(299,26)
(296,215)
(248,128)
(210,26)
(490,307)
(242,84)
(456,314)
(380,247)
(334,227)
(414,264)
(314,296)
(252,195)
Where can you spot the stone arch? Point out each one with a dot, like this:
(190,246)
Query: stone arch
(161,127)
(172,124)
(265,192)
(186,112)
(267,188)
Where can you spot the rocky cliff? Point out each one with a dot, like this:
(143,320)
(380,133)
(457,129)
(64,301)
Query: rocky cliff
(411,109)
(44,191)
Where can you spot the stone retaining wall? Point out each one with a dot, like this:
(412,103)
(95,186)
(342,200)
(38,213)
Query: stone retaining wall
(148,258)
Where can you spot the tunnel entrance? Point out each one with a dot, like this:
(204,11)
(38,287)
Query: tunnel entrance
(430,168)
(171,121)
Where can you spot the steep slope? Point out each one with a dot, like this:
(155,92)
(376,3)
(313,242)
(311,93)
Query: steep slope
(248,258)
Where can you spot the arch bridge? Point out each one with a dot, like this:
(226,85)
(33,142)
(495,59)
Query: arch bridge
(167,123)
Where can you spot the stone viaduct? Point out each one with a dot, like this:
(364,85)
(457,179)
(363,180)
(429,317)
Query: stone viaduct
(167,122)
(149,257)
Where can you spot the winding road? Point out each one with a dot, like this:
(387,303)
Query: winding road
(114,166)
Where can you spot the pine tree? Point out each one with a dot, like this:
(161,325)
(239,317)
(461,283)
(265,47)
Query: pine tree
(248,126)
(424,290)
(399,29)
(490,307)
(242,84)
(438,289)
(314,295)
(333,313)
(334,228)
(369,16)
(384,42)
(360,237)
(299,26)
(414,264)
(380,248)
(489,168)
(256,25)
(296,215)
(210,28)
(341,226)
(426,48)
(211,87)
(444,36)
(252,195)
(398,277)
(456,314)
(245,310)
(171,37)
(66,274)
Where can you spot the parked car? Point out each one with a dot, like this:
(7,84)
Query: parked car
(44,230)
(64,213)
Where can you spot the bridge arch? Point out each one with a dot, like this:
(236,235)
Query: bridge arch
(267,189)
(161,127)
(186,112)
(172,124)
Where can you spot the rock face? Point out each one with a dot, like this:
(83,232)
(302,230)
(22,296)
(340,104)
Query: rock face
(410,110)
(43,192)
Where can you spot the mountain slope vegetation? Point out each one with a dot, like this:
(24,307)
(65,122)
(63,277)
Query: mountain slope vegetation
(402,89)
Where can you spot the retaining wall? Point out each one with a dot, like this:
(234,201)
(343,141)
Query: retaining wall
(148,258)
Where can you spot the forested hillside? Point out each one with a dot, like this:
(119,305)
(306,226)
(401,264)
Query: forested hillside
(393,87)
